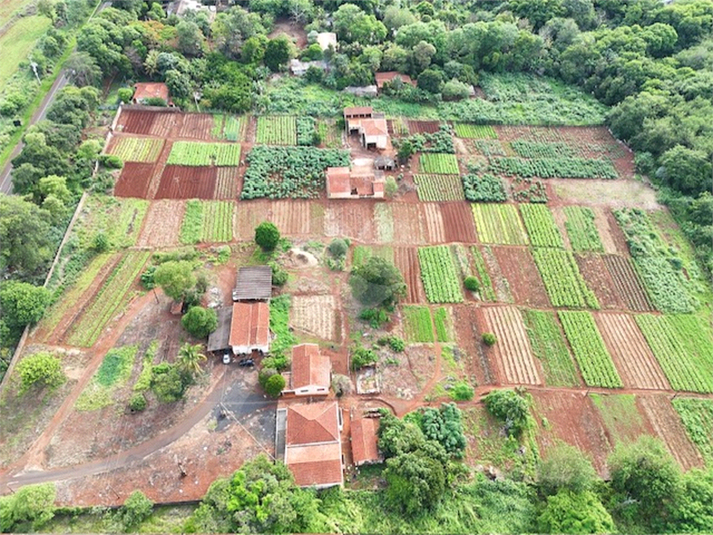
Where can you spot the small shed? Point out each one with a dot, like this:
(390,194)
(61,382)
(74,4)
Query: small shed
(254,284)
(365,448)
(146,90)
(385,163)
(390,76)
(219,340)
(358,112)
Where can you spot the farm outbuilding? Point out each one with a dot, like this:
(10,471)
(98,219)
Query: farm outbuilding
(361,181)
(250,328)
(365,448)
(390,76)
(147,90)
(327,39)
(253,284)
(313,447)
(219,340)
(371,127)
(385,163)
(311,372)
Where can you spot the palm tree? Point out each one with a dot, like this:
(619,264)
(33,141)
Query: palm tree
(190,358)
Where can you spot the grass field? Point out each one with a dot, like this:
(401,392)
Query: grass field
(621,417)
(17,43)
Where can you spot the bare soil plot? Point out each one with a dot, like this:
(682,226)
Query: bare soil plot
(406,259)
(187,182)
(162,224)
(434,223)
(470,325)
(500,283)
(227,183)
(423,127)
(458,221)
(249,215)
(134,180)
(667,425)
(599,280)
(291,217)
(632,356)
(512,349)
(407,378)
(409,225)
(610,233)
(572,418)
(524,281)
(600,192)
(166,124)
(197,126)
(136,121)
(350,219)
(316,315)
(627,283)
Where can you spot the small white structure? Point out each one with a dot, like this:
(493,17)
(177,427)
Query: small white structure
(299,68)
(327,39)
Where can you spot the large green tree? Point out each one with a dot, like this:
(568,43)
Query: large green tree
(25,236)
(571,512)
(176,278)
(377,282)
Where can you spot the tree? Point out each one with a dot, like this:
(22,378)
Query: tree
(24,234)
(455,90)
(646,473)
(43,369)
(565,468)
(571,512)
(168,383)
(189,359)
(277,53)
(275,385)
(190,38)
(509,407)
(175,278)
(267,235)
(430,80)
(416,482)
(22,303)
(398,436)
(135,510)
(200,322)
(422,54)
(83,70)
(28,509)
(125,94)
(686,170)
(445,426)
(377,282)
(406,150)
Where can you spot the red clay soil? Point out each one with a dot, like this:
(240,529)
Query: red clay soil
(458,221)
(626,283)
(228,183)
(187,182)
(470,325)
(599,280)
(134,180)
(406,259)
(423,127)
(409,227)
(610,231)
(572,418)
(350,219)
(197,126)
(292,217)
(524,280)
(666,424)
(136,122)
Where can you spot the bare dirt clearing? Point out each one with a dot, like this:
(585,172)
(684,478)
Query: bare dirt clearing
(162,224)
(523,279)
(316,315)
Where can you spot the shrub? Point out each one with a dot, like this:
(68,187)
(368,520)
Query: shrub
(111,161)
(147,278)
(135,510)
(396,344)
(274,385)
(341,385)
(137,403)
(167,383)
(125,94)
(390,187)
(279,275)
(200,322)
(267,236)
(265,374)
(363,357)
(338,248)
(489,339)
(570,512)
(41,369)
(377,282)
(472,284)
(509,407)
(100,243)
(461,391)
(375,316)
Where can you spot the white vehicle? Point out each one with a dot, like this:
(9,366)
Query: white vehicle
(226,358)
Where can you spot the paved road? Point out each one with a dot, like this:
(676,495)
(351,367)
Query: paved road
(59,83)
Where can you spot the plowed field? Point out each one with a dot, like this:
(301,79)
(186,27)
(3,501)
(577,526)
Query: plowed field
(291,217)
(599,280)
(186,182)
(315,315)
(434,223)
(197,126)
(249,215)
(633,358)
(406,259)
(524,280)
(227,183)
(458,221)
(350,219)
(409,229)
(469,324)
(667,425)
(627,284)
(423,127)
(513,346)
(162,224)
(137,121)
(134,180)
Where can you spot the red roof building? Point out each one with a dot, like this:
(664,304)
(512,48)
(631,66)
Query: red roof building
(313,449)
(250,328)
(390,76)
(311,372)
(144,90)
(358,112)
(365,441)
(343,183)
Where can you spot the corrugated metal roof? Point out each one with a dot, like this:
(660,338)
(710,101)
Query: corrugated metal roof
(254,284)
(220,338)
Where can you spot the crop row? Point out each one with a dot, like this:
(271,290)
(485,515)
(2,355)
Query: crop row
(306,131)
(196,154)
(417,324)
(439,187)
(549,346)
(683,346)
(582,232)
(439,275)
(592,356)
(137,149)
(207,222)
(441,321)
(554,167)
(192,225)
(490,147)
(541,226)
(235,126)
(697,417)
(499,223)
(536,149)
(484,188)
(289,172)
(486,284)
(109,300)
(563,281)
(437,163)
(474,131)
(276,130)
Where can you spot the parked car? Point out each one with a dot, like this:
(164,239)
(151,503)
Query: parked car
(226,358)
(246,362)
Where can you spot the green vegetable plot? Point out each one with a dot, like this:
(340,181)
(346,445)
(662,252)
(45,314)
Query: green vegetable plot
(196,154)
(474,131)
(277,130)
(582,232)
(541,225)
(697,417)
(554,167)
(536,149)
(441,164)
(548,345)
(499,223)
(563,281)
(439,274)
(589,349)
(484,188)
(417,324)
(137,149)
(207,222)
(439,187)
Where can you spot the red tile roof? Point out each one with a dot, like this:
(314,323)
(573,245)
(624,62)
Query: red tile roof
(250,325)
(312,423)
(374,127)
(382,77)
(364,441)
(358,110)
(318,465)
(309,368)
(338,180)
(150,90)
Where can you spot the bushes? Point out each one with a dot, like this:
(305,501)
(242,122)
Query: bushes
(510,408)
(484,188)
(274,385)
(472,284)
(489,339)
(42,369)
(200,322)
(267,236)
(137,403)
(28,509)
(362,357)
